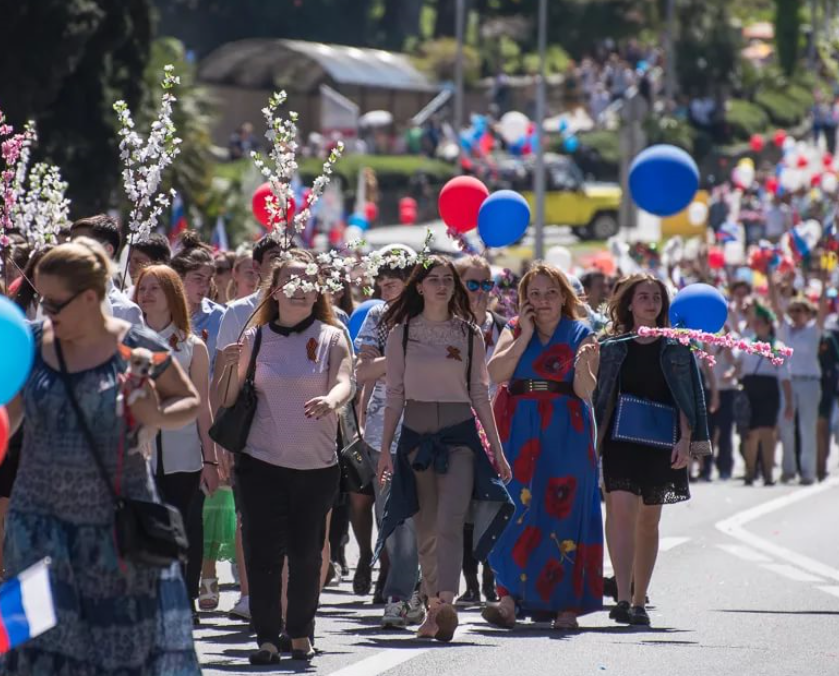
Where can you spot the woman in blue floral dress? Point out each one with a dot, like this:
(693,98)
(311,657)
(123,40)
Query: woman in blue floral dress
(114,617)
(549,561)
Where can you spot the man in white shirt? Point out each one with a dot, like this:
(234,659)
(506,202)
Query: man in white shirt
(105,230)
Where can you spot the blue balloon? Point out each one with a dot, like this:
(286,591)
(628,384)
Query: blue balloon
(359,221)
(359,315)
(571,144)
(503,218)
(700,307)
(663,180)
(563,125)
(17,351)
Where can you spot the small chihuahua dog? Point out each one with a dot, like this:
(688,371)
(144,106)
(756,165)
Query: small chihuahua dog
(132,383)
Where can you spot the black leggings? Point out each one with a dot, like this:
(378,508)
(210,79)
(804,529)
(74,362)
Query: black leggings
(181,490)
(284,514)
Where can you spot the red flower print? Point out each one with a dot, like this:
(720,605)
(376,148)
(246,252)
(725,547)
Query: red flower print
(502,591)
(525,464)
(205,335)
(453,353)
(559,496)
(549,578)
(575,409)
(555,362)
(525,546)
(504,408)
(545,408)
(588,568)
(513,325)
(312,350)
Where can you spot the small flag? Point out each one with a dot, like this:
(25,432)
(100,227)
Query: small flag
(178,222)
(26,606)
(728,232)
(219,238)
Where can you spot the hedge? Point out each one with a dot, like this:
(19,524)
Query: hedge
(783,109)
(392,171)
(745,118)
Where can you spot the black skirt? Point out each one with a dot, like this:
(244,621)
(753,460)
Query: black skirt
(643,470)
(764,396)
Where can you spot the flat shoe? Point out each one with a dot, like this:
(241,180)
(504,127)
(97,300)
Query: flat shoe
(303,655)
(263,657)
(494,615)
(446,623)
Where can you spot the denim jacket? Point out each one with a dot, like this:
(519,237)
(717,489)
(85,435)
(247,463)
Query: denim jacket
(681,371)
(491,508)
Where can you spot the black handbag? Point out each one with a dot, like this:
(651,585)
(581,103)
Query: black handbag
(147,533)
(357,472)
(232,425)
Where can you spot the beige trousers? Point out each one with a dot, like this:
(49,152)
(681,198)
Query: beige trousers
(443,498)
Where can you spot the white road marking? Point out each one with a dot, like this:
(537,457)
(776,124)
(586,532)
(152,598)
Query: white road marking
(380,662)
(831,590)
(791,572)
(734,527)
(666,544)
(745,553)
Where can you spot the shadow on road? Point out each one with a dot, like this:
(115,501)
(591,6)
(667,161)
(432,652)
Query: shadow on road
(782,612)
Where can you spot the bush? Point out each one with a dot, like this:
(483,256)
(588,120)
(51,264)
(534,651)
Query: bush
(745,118)
(605,143)
(783,109)
(671,130)
(437,59)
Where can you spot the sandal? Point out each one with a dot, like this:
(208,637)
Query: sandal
(495,615)
(209,597)
(566,622)
(447,622)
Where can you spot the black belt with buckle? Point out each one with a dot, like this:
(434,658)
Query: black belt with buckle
(524,386)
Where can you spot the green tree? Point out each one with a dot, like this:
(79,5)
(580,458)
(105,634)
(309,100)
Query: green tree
(707,47)
(787,33)
(66,62)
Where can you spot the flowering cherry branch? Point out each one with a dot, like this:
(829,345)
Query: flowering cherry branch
(776,356)
(146,159)
(42,207)
(14,149)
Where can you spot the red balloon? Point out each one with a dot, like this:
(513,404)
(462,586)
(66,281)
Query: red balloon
(260,209)
(779,138)
(827,160)
(407,216)
(459,202)
(716,258)
(371,212)
(802,162)
(757,143)
(408,203)
(4,432)
(816,180)
(772,184)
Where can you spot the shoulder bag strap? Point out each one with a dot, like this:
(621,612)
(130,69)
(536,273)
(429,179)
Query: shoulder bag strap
(88,435)
(257,341)
(405,338)
(470,335)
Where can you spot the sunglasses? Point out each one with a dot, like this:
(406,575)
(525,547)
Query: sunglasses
(53,308)
(473,285)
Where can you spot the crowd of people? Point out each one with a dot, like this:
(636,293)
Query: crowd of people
(490,426)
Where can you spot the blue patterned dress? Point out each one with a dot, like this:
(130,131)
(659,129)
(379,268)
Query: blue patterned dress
(114,619)
(550,558)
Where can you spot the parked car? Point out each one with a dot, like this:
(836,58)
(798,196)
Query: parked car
(591,208)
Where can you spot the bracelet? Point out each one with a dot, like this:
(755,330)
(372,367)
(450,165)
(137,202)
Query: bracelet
(212,463)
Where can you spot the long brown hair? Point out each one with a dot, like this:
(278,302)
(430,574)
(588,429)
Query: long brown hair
(269,311)
(174,291)
(619,313)
(573,307)
(410,303)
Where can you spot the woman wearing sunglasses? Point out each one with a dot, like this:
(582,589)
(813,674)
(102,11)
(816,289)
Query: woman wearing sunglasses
(62,508)
(477,278)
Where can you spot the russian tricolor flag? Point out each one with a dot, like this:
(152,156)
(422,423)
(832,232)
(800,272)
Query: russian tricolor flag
(26,606)
(219,238)
(178,222)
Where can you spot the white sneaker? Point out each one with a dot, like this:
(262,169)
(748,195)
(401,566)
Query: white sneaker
(395,615)
(416,610)
(242,609)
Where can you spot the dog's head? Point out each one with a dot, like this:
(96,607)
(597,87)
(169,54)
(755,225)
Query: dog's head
(141,360)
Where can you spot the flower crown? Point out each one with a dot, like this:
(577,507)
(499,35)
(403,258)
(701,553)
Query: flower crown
(146,159)
(335,267)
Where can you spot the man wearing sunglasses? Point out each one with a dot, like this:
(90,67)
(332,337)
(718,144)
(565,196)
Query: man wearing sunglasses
(105,230)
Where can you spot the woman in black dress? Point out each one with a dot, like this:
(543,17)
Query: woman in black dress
(639,478)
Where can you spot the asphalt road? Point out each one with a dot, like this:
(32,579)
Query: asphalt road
(747,583)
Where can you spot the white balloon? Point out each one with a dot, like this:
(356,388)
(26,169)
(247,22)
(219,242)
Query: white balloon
(789,143)
(352,233)
(830,183)
(745,174)
(811,232)
(560,257)
(733,253)
(698,214)
(792,180)
(513,126)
